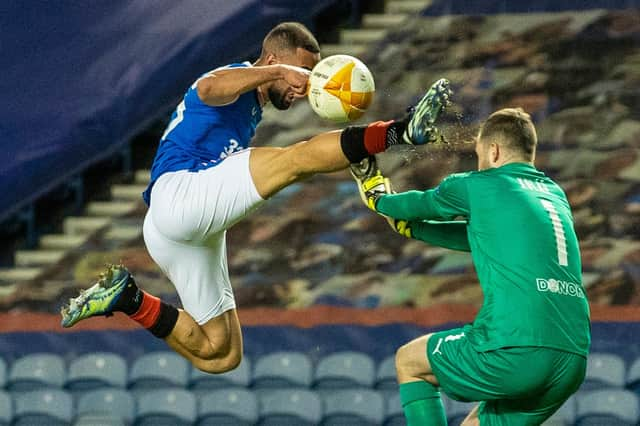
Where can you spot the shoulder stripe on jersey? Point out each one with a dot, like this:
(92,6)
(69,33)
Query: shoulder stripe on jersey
(179,117)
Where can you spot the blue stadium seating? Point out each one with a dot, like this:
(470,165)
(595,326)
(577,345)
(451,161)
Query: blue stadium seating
(239,377)
(36,371)
(457,411)
(346,369)
(165,390)
(354,407)
(611,407)
(99,420)
(3,373)
(228,407)
(166,407)
(565,416)
(160,369)
(393,414)
(6,409)
(51,407)
(633,377)
(96,370)
(289,407)
(114,402)
(604,369)
(283,369)
(386,374)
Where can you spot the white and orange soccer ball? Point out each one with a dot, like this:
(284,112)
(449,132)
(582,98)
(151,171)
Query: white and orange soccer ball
(341,88)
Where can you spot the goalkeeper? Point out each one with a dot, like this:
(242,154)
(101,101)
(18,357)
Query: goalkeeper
(525,352)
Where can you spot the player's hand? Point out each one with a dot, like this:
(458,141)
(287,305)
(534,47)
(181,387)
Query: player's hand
(297,78)
(402,227)
(373,188)
(371,183)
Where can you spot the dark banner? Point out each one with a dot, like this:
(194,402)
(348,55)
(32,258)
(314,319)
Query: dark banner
(79,78)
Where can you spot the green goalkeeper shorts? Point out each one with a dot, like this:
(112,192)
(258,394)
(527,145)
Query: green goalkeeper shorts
(516,386)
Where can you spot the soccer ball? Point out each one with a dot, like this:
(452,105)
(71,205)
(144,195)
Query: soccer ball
(341,88)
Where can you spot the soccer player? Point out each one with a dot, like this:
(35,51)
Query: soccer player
(525,353)
(204,179)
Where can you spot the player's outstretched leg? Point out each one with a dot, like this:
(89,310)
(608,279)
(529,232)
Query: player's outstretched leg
(275,168)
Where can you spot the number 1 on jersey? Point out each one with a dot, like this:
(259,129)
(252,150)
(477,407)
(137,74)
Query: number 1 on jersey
(558,231)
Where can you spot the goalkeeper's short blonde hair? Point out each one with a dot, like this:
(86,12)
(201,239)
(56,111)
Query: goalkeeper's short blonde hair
(513,128)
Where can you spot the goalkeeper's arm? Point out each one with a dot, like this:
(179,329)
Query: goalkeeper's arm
(451,235)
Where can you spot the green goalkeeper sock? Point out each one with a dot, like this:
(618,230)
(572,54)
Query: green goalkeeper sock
(422,404)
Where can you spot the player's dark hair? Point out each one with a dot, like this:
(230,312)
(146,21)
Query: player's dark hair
(290,36)
(514,128)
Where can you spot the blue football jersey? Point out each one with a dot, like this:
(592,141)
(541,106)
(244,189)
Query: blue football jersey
(200,136)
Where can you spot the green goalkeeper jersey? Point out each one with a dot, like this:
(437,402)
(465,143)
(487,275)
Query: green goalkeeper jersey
(518,226)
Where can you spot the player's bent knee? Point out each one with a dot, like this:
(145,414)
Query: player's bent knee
(219,365)
(411,360)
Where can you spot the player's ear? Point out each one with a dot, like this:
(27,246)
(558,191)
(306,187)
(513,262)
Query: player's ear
(271,59)
(494,152)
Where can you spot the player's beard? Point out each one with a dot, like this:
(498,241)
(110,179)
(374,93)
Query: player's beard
(279,99)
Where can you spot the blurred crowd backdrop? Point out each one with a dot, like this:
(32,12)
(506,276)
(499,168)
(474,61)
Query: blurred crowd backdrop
(576,73)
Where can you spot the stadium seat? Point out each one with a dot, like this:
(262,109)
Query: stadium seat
(97,370)
(51,407)
(36,371)
(611,407)
(282,370)
(604,370)
(98,420)
(633,377)
(386,374)
(3,373)
(343,370)
(289,407)
(162,369)
(353,407)
(393,414)
(228,407)
(166,407)
(115,403)
(239,377)
(6,409)
(565,416)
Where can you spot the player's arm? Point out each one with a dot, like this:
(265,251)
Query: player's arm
(445,202)
(451,235)
(224,86)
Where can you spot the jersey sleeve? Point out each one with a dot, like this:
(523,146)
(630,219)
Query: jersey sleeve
(445,202)
(192,100)
(451,235)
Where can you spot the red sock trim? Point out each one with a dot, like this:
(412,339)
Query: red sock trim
(149,310)
(375,136)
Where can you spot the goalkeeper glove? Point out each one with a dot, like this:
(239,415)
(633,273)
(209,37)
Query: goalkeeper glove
(371,184)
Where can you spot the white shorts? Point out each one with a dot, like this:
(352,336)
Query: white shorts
(185,230)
